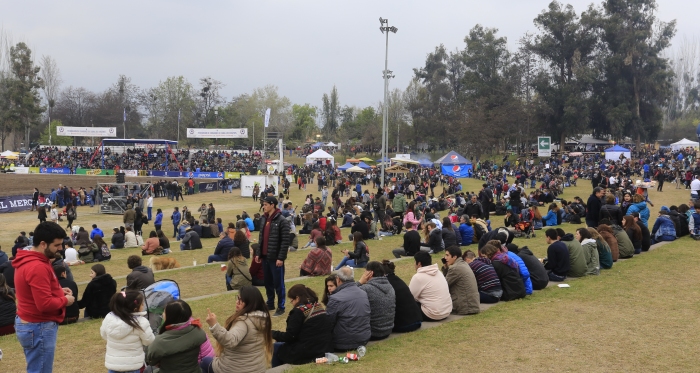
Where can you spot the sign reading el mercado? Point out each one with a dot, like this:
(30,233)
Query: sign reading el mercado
(86,131)
(544,146)
(217,133)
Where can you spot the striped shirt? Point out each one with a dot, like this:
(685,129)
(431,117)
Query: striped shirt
(486,277)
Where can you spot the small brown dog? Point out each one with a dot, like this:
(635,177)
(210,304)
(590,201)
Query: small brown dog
(163,262)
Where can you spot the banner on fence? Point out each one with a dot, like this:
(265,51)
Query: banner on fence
(86,131)
(217,133)
(15,203)
(20,170)
(208,187)
(130,172)
(235,183)
(63,171)
(93,172)
(248,183)
(194,175)
(232,175)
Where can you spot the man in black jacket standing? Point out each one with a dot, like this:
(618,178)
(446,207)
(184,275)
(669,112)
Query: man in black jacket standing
(593,207)
(272,252)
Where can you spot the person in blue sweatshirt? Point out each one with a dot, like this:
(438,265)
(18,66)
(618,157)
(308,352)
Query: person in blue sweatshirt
(466,231)
(158,223)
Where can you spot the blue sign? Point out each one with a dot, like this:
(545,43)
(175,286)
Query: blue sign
(456,170)
(194,175)
(44,170)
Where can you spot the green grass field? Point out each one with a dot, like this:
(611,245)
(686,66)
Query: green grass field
(638,316)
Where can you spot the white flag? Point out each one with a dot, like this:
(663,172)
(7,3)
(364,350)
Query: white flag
(267,117)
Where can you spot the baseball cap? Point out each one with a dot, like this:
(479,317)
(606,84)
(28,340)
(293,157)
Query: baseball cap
(270,200)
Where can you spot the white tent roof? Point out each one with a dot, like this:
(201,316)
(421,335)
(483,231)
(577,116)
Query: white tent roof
(684,143)
(331,144)
(318,154)
(355,169)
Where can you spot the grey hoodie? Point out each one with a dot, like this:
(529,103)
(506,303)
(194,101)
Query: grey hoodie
(382,304)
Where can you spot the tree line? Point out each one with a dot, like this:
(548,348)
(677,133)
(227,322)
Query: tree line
(606,71)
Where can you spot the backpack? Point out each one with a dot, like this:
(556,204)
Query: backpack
(71,214)
(106,254)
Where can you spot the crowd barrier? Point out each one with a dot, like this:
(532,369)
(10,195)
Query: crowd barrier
(15,203)
(62,171)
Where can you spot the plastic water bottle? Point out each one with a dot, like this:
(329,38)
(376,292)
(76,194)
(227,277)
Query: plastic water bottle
(332,358)
(361,351)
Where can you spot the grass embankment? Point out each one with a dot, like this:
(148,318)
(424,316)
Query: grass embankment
(638,316)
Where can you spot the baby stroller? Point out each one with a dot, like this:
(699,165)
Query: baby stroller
(525,227)
(156,297)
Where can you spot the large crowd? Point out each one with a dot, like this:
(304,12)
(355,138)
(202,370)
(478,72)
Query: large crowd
(473,231)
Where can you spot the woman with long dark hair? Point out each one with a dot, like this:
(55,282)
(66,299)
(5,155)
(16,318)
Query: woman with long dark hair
(359,257)
(331,283)
(8,308)
(178,345)
(244,342)
(634,232)
(71,215)
(309,330)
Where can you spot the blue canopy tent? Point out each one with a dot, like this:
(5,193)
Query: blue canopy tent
(385,159)
(363,166)
(345,166)
(317,145)
(615,152)
(167,143)
(455,165)
(425,163)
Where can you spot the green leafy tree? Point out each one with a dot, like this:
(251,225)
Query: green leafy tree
(24,86)
(304,122)
(55,140)
(330,112)
(565,45)
(637,77)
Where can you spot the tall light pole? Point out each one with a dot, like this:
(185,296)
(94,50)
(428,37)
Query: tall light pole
(385,29)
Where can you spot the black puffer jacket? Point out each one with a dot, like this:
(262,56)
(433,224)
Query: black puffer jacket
(97,295)
(8,309)
(612,212)
(278,240)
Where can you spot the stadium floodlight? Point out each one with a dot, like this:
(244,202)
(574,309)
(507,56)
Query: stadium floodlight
(387,74)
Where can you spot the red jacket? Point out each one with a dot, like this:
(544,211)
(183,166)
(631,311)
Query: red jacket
(39,295)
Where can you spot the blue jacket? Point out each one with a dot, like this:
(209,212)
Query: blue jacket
(176,217)
(550,219)
(249,222)
(159,219)
(96,232)
(643,211)
(524,273)
(181,231)
(664,227)
(467,233)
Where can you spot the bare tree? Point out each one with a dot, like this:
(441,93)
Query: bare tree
(51,76)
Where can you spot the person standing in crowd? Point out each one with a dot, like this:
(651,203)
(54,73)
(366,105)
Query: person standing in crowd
(71,215)
(272,252)
(129,217)
(175,217)
(41,302)
(149,206)
(158,223)
(593,207)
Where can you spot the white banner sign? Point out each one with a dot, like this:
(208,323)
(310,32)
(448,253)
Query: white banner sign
(130,172)
(403,156)
(217,133)
(86,131)
(248,183)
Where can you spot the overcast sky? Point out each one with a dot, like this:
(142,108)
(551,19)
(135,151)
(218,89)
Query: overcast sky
(304,47)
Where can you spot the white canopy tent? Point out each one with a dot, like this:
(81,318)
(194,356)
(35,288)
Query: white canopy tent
(685,143)
(320,155)
(331,144)
(355,169)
